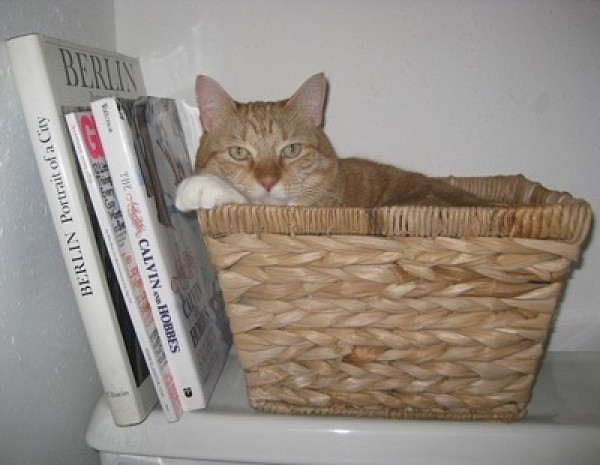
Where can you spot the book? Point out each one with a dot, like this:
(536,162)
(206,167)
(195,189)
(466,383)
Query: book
(189,118)
(96,174)
(53,77)
(146,150)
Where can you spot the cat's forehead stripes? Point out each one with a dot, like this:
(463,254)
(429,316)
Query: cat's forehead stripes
(262,119)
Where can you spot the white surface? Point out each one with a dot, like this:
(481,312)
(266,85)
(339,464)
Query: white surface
(562,427)
(48,380)
(444,86)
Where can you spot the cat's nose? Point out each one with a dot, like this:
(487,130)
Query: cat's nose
(268,182)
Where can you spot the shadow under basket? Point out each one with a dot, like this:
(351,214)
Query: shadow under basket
(416,312)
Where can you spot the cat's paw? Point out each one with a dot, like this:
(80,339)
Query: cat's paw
(205,191)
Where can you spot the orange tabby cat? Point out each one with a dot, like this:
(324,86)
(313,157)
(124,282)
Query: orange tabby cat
(277,153)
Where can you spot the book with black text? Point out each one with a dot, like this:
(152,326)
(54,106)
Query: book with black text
(96,174)
(147,154)
(54,77)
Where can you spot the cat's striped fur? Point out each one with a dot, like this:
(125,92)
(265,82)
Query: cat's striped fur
(277,153)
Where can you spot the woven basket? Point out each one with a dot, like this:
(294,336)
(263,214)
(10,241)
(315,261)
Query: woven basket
(402,312)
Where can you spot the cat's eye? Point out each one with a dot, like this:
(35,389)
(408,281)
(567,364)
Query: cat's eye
(291,150)
(239,153)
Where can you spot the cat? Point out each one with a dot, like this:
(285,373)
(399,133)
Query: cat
(277,153)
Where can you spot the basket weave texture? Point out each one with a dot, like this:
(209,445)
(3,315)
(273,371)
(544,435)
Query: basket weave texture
(401,312)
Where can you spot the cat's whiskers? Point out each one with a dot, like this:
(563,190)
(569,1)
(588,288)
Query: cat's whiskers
(275,195)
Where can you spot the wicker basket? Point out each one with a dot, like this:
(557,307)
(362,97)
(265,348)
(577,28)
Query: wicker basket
(401,312)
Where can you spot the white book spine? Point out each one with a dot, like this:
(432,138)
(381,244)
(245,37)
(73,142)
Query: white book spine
(97,176)
(119,150)
(36,66)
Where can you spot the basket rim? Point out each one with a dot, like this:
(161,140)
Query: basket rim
(525,209)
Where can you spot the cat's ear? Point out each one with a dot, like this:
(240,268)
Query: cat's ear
(309,99)
(213,102)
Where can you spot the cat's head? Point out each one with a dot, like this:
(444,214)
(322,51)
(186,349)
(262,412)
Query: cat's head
(272,152)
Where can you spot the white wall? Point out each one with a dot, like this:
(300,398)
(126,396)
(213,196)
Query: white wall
(462,87)
(48,380)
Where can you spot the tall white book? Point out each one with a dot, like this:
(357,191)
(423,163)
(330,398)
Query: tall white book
(144,144)
(110,219)
(53,77)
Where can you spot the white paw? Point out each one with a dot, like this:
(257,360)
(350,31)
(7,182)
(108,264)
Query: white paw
(205,191)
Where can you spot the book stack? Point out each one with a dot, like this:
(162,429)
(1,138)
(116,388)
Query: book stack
(110,159)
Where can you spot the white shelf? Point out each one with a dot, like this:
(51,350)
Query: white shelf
(562,427)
